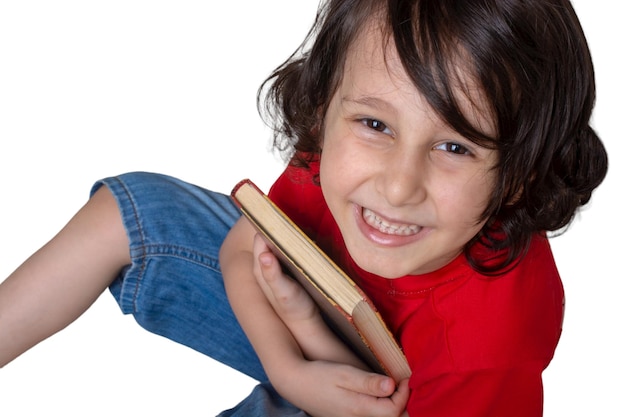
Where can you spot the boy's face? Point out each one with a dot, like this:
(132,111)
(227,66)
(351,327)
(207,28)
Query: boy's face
(405,189)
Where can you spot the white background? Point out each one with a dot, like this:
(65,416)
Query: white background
(92,89)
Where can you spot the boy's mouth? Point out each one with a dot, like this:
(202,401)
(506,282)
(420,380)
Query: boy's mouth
(387,227)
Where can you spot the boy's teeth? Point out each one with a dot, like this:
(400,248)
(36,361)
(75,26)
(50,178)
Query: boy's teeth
(390,228)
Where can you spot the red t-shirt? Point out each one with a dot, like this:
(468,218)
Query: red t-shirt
(476,345)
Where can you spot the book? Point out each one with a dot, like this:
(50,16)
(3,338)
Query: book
(345,307)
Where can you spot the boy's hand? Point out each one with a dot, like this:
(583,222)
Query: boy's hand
(329,389)
(331,380)
(298,311)
(289,299)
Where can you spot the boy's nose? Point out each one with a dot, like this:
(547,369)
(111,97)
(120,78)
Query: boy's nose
(402,179)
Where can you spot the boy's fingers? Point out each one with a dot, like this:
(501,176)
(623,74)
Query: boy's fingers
(286,295)
(379,385)
(271,278)
(368,383)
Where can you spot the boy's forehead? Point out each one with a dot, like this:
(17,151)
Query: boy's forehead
(373,52)
(372,45)
(373,56)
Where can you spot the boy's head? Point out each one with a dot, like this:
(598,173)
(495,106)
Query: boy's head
(530,64)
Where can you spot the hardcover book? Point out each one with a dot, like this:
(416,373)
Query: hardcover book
(346,308)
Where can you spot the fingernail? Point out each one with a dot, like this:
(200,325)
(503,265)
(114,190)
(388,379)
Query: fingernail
(265,259)
(386,385)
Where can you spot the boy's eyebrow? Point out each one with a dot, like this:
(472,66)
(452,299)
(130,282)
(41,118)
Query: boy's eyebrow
(369,101)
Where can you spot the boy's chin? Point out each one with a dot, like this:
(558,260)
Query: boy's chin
(386,269)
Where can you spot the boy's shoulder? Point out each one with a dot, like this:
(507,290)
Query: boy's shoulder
(508,318)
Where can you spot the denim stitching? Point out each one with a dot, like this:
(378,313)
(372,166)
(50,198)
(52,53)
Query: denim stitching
(142,245)
(182,252)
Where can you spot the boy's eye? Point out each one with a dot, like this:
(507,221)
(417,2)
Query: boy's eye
(376,125)
(453,148)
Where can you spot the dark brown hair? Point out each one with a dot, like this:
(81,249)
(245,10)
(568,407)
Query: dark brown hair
(530,60)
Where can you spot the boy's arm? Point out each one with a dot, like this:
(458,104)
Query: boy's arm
(61,280)
(312,377)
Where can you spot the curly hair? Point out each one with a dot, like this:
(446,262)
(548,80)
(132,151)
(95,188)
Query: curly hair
(531,62)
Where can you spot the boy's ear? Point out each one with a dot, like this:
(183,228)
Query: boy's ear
(317,132)
(318,129)
(515,197)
